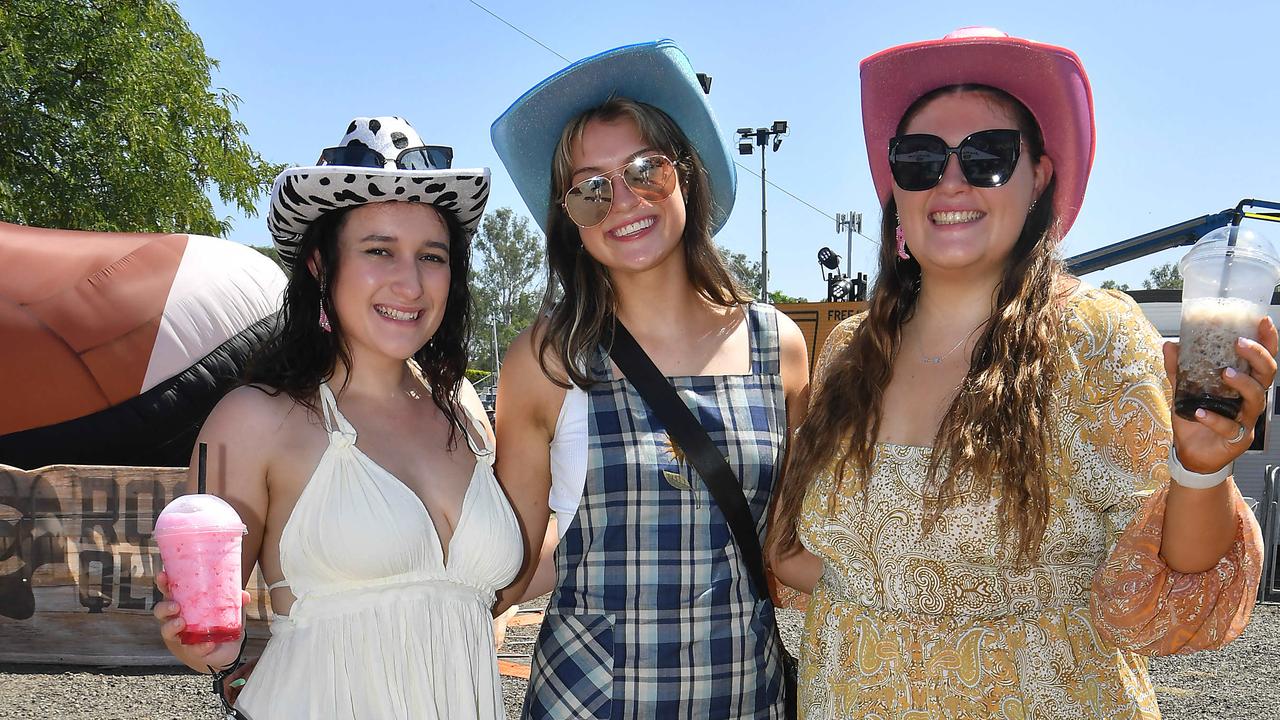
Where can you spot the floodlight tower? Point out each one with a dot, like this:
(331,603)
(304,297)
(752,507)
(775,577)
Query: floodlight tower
(748,139)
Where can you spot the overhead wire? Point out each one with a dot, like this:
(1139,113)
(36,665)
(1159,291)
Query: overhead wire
(798,199)
(502,20)
(771,183)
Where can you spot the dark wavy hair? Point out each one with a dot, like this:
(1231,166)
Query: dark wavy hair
(299,356)
(578,307)
(1000,428)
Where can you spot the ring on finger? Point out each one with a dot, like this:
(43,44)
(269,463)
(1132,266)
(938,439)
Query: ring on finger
(1239,435)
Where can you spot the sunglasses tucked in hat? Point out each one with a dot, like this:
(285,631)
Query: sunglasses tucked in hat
(655,73)
(1049,80)
(379,159)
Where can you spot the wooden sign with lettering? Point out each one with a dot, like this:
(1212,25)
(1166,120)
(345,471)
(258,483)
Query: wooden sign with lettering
(77,563)
(817,319)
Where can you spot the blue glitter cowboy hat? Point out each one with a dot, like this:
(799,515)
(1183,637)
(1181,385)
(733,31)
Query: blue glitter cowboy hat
(655,73)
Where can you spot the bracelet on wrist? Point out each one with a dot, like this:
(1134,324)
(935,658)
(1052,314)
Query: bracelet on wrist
(1194,480)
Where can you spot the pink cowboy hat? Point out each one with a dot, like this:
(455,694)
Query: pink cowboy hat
(1048,79)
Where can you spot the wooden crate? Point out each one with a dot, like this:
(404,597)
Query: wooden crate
(77,563)
(816,320)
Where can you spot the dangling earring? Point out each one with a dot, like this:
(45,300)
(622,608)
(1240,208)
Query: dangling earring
(324,316)
(902,243)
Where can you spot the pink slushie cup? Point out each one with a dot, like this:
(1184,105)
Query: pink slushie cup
(199,538)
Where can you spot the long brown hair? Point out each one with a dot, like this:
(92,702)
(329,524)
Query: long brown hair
(1000,428)
(579,303)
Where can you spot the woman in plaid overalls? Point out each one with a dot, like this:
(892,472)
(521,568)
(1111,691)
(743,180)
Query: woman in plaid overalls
(653,613)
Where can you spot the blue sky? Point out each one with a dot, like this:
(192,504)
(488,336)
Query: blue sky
(1188,119)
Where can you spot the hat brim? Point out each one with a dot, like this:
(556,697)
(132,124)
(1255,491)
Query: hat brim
(301,195)
(655,73)
(1049,80)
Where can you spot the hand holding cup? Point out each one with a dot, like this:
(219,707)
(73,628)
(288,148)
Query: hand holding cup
(198,656)
(1209,441)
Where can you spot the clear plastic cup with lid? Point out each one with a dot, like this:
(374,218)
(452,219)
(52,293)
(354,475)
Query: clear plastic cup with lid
(200,539)
(1228,279)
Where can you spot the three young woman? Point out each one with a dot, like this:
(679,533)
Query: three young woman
(979,500)
(357,454)
(980,497)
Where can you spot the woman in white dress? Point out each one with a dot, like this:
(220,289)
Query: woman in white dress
(358,455)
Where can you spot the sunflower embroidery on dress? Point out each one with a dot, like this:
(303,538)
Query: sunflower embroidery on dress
(679,480)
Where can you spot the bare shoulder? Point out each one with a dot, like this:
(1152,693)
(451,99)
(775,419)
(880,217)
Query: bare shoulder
(523,354)
(526,362)
(525,392)
(248,434)
(250,412)
(790,337)
(794,352)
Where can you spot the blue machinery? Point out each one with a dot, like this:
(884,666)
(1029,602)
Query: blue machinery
(1184,233)
(842,288)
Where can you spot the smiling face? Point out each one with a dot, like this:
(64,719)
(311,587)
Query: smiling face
(954,227)
(393,276)
(636,235)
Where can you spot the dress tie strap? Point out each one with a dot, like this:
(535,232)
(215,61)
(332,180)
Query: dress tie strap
(341,432)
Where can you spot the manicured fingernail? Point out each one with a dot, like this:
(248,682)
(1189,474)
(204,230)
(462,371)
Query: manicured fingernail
(1242,342)
(238,682)
(1201,413)
(1230,372)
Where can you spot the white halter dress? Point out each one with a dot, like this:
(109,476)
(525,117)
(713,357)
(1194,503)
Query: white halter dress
(385,624)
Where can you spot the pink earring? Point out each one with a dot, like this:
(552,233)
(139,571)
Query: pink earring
(902,243)
(324,316)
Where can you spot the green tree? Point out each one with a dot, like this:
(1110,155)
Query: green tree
(745,271)
(1113,285)
(1164,276)
(271,252)
(777,296)
(507,282)
(109,121)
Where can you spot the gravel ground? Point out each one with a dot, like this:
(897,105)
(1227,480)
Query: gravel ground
(1241,681)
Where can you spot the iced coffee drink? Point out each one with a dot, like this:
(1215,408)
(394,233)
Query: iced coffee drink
(1210,327)
(1228,280)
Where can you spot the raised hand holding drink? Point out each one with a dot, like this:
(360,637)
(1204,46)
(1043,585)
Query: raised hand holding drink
(1227,282)
(199,538)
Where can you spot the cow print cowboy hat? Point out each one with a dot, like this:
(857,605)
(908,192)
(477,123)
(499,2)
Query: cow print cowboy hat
(379,159)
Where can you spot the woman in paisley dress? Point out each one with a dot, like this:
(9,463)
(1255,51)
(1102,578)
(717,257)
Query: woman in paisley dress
(989,501)
(653,613)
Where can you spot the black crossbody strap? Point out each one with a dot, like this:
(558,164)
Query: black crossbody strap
(698,448)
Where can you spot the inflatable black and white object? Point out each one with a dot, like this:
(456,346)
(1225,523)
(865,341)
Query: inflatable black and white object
(114,347)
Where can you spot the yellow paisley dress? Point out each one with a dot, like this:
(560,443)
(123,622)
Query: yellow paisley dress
(905,625)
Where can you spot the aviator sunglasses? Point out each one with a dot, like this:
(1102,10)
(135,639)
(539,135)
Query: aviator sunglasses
(652,178)
(987,159)
(423,157)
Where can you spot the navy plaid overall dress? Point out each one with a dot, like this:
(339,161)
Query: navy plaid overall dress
(654,614)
